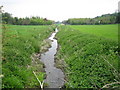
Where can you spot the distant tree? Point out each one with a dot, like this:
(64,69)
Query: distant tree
(6,17)
(15,21)
(103,19)
(26,21)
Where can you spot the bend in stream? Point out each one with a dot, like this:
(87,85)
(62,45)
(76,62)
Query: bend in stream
(55,76)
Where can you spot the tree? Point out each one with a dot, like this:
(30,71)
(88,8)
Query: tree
(6,18)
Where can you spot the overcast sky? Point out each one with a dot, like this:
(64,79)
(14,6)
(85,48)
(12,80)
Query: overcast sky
(59,10)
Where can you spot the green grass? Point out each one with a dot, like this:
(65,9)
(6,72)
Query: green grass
(19,43)
(91,58)
(106,31)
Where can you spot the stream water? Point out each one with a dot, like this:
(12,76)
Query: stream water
(55,76)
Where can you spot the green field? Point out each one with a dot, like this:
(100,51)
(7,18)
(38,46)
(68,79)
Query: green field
(19,44)
(90,55)
(106,31)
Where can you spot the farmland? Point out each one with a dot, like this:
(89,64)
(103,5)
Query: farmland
(88,54)
(19,44)
(106,31)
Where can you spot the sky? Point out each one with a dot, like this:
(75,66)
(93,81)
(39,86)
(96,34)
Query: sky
(59,10)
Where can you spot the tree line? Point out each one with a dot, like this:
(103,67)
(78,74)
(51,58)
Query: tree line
(8,19)
(103,19)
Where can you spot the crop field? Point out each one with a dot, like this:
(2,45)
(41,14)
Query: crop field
(106,31)
(90,55)
(19,43)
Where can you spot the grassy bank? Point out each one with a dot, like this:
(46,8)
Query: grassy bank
(19,44)
(89,54)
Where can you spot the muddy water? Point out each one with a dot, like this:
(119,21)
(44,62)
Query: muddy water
(55,76)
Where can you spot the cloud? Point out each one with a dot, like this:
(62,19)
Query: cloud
(60,9)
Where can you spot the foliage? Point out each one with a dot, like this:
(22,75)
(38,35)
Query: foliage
(92,60)
(104,19)
(19,43)
(8,19)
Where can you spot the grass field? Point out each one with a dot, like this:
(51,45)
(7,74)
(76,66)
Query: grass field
(19,44)
(90,55)
(106,31)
